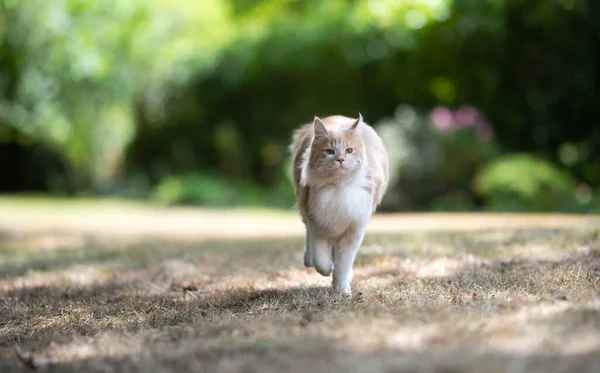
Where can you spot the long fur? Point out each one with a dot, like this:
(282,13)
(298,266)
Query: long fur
(337,190)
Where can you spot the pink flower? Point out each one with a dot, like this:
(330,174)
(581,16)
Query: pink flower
(442,118)
(445,120)
(466,116)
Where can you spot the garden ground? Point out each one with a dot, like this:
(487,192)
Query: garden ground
(122,287)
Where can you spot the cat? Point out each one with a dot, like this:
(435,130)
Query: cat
(340,171)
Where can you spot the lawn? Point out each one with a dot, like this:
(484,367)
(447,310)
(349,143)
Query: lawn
(112,287)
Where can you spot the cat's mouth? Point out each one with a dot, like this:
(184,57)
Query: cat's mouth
(342,167)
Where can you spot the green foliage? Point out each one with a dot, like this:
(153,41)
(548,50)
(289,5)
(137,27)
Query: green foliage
(139,91)
(302,58)
(75,69)
(297,59)
(208,190)
(523,182)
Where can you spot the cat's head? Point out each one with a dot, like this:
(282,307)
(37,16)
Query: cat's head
(337,152)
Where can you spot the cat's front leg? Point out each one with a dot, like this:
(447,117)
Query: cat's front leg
(308,249)
(345,254)
(322,258)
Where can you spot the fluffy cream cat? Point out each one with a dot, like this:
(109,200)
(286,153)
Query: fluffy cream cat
(340,173)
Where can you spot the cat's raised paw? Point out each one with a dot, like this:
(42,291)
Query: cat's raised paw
(323,265)
(324,269)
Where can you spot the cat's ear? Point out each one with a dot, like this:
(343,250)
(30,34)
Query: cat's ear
(319,127)
(357,122)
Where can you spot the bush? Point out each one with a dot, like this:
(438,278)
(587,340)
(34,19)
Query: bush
(524,182)
(434,158)
(211,191)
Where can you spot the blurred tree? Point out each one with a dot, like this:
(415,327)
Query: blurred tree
(71,70)
(290,61)
(529,65)
(217,86)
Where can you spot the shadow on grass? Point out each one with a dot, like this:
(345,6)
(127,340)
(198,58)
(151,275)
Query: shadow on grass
(90,309)
(145,254)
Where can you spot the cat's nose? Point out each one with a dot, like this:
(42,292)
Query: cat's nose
(341,160)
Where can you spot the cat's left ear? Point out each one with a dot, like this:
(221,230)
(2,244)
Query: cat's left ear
(319,128)
(358,121)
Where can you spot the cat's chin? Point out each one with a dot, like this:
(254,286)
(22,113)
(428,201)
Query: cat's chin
(334,175)
(339,171)
(339,174)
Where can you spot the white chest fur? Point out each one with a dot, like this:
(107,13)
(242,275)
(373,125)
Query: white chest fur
(336,207)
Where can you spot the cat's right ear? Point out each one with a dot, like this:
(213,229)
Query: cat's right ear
(319,127)
(357,122)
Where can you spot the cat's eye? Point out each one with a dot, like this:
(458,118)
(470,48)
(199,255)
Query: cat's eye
(329,151)
(349,150)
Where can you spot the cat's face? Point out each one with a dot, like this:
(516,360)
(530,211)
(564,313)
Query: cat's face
(336,153)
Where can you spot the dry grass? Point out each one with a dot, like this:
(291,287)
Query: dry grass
(492,300)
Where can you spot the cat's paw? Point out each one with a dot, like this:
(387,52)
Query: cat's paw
(324,268)
(308,263)
(323,265)
(342,289)
(308,258)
